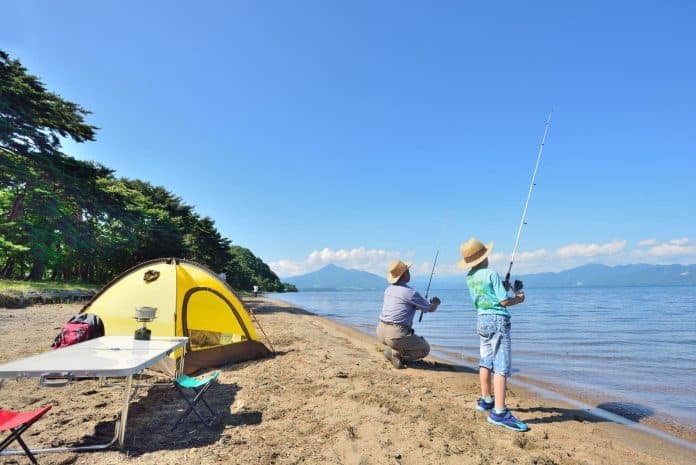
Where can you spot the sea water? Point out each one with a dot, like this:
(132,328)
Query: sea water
(631,350)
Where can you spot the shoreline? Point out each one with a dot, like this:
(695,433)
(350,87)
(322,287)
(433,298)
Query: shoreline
(327,397)
(659,424)
(641,436)
(668,428)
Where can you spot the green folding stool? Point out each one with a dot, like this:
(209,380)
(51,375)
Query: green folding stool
(198,386)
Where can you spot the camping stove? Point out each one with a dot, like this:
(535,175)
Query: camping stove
(144,315)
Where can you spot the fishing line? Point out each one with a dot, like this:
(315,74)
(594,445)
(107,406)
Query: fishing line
(432,272)
(427,289)
(518,284)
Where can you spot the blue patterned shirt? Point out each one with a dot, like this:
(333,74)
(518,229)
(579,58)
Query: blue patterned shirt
(487,291)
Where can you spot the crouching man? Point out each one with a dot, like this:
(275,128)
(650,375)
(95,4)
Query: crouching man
(395,327)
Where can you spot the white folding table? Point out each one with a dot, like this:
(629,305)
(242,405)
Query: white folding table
(107,356)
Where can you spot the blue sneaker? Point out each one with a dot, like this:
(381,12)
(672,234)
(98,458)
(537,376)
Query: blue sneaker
(483,406)
(507,420)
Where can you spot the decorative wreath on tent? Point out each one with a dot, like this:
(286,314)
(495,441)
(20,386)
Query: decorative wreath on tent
(151,275)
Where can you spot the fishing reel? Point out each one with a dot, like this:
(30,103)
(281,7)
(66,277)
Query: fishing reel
(516,286)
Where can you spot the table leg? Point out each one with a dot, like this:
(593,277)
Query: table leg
(119,431)
(124,412)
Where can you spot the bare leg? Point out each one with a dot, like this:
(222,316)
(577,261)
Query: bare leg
(499,382)
(485,377)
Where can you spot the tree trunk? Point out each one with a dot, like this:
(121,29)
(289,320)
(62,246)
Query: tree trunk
(16,209)
(37,271)
(84,273)
(6,271)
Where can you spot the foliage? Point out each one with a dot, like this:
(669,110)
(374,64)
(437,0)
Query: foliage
(9,285)
(32,118)
(246,270)
(65,220)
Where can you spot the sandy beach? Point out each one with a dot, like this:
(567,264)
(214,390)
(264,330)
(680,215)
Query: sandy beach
(327,397)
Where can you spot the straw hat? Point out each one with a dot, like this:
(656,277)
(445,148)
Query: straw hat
(473,252)
(396,269)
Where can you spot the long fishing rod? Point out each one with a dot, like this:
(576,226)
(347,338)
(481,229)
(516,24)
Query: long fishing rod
(427,289)
(518,284)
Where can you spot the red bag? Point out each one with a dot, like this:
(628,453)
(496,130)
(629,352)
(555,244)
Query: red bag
(80,327)
(72,333)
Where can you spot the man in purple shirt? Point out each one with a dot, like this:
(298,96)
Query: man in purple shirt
(395,327)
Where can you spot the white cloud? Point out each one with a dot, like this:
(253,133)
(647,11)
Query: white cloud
(423,268)
(445,269)
(611,253)
(373,260)
(354,256)
(525,261)
(591,250)
(524,257)
(520,257)
(673,248)
(285,268)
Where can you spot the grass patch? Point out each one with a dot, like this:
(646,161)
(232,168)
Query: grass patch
(10,285)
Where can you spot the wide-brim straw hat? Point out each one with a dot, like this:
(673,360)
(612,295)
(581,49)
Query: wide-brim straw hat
(473,252)
(396,270)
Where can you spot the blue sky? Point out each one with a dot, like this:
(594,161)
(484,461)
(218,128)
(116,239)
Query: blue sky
(357,132)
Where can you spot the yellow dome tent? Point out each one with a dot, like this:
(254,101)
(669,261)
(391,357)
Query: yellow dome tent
(191,301)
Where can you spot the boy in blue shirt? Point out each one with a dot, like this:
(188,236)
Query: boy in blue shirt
(491,300)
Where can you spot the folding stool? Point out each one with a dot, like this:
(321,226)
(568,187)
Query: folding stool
(198,386)
(17,423)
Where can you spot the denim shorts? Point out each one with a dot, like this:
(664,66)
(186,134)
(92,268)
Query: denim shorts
(494,333)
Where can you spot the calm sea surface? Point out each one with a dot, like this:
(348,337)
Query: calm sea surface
(630,349)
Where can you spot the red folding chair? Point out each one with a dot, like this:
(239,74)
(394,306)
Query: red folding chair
(17,423)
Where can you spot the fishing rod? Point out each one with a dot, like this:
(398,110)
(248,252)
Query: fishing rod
(517,286)
(427,289)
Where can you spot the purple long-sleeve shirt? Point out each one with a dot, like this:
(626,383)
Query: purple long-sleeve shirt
(401,303)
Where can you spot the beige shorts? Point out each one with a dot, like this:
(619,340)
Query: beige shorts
(403,340)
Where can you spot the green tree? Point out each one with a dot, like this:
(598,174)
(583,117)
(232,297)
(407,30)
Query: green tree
(245,270)
(31,121)
(31,117)
(207,246)
(68,219)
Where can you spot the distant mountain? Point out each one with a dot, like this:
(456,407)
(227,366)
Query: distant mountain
(334,278)
(592,275)
(621,275)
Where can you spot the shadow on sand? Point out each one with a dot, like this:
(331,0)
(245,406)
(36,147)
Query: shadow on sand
(152,416)
(439,366)
(628,411)
(557,415)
